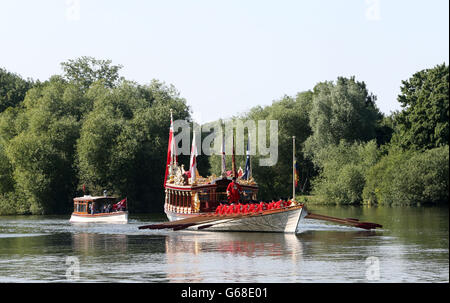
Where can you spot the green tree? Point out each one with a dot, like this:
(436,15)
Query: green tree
(12,89)
(41,150)
(86,127)
(292,114)
(343,170)
(424,121)
(84,71)
(6,179)
(341,111)
(123,142)
(409,177)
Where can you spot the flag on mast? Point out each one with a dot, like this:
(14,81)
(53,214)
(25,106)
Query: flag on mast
(193,161)
(224,169)
(120,204)
(294,170)
(248,172)
(233,162)
(171,149)
(296,177)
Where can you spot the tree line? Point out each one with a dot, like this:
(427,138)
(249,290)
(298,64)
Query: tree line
(89,127)
(351,153)
(86,127)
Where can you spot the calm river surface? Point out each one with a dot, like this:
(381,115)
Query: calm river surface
(412,247)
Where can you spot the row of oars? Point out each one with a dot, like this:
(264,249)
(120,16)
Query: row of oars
(346,221)
(212,219)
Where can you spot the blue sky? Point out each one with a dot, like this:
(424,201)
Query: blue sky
(228,56)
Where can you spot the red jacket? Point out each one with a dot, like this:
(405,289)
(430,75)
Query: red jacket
(235,192)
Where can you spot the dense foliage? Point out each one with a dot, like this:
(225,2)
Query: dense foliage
(424,121)
(122,145)
(409,169)
(409,177)
(108,135)
(344,110)
(12,89)
(343,171)
(292,114)
(350,153)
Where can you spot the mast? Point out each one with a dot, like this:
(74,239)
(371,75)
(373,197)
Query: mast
(233,161)
(293,168)
(173,148)
(193,160)
(224,169)
(171,153)
(248,167)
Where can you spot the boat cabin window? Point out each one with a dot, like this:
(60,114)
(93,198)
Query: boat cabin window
(81,207)
(94,207)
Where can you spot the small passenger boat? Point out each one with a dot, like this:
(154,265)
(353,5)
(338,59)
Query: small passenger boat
(99,209)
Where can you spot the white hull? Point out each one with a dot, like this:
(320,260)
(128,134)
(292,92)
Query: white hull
(119,217)
(283,222)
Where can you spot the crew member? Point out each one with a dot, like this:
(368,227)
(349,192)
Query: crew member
(234,191)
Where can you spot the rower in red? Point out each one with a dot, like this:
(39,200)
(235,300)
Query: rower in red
(234,191)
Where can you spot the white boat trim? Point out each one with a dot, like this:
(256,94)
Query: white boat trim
(115,217)
(286,221)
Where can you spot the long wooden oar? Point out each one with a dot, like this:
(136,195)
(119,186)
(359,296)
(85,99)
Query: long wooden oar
(180,223)
(348,221)
(186,223)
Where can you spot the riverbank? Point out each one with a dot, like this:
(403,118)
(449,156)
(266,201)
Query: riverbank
(318,200)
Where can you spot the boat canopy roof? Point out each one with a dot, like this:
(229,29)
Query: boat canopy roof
(178,179)
(93,198)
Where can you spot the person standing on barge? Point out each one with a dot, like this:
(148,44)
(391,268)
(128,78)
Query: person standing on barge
(234,191)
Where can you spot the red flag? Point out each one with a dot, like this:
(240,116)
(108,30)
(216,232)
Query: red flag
(193,161)
(296,177)
(171,149)
(120,204)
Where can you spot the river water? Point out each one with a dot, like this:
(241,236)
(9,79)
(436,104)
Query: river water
(413,246)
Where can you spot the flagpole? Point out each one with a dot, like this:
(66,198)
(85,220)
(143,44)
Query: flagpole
(224,169)
(169,149)
(233,161)
(293,168)
(249,158)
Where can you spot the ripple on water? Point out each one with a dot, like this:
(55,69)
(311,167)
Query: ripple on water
(20,235)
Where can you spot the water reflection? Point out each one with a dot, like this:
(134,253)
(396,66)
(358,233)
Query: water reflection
(412,247)
(243,244)
(246,257)
(209,256)
(88,243)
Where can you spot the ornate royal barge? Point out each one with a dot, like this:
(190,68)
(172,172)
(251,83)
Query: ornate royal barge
(197,203)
